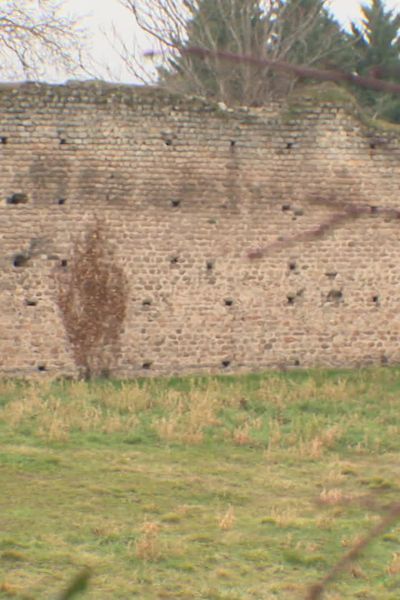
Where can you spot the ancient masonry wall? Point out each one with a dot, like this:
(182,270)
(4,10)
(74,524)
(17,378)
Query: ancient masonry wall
(226,240)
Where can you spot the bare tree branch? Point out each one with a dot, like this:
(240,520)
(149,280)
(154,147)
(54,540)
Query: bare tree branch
(34,35)
(303,72)
(316,591)
(170,25)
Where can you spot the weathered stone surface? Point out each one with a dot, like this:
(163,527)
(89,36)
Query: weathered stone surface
(185,192)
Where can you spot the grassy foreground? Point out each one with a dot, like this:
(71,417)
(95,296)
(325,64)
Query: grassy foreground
(217,488)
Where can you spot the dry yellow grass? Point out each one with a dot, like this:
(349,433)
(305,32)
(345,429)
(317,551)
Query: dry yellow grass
(234,480)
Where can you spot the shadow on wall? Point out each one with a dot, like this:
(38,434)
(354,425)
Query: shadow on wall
(92,297)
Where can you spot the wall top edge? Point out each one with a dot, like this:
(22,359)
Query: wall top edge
(318,99)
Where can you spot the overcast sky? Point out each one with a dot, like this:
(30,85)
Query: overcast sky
(100,14)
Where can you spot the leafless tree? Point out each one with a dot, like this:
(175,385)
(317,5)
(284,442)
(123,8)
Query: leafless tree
(36,35)
(168,27)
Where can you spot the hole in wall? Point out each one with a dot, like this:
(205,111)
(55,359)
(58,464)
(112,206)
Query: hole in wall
(375,299)
(209,265)
(168,142)
(331,274)
(228,302)
(61,201)
(146,302)
(31,302)
(174,260)
(289,145)
(20,260)
(64,262)
(232,144)
(334,296)
(373,209)
(63,141)
(147,364)
(290,298)
(225,363)
(296,362)
(384,360)
(286,207)
(3,139)
(292,265)
(175,202)
(17,198)
(41,368)
(372,146)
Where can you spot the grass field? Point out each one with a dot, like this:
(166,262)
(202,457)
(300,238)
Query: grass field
(235,488)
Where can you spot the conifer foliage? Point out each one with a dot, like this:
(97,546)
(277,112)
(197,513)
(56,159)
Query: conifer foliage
(377,53)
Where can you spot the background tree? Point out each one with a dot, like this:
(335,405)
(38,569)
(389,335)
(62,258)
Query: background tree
(33,35)
(276,30)
(377,53)
(313,36)
(229,25)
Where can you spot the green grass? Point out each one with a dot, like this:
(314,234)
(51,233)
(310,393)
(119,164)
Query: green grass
(234,488)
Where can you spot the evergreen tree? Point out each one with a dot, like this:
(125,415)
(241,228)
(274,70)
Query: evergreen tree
(320,39)
(298,31)
(237,26)
(377,48)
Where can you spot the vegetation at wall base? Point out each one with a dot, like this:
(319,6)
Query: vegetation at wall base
(246,487)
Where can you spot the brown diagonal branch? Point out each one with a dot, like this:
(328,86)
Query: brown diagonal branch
(350,212)
(304,72)
(316,591)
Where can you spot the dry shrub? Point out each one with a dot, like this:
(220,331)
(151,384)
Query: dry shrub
(129,398)
(203,407)
(333,496)
(241,435)
(112,424)
(316,446)
(53,418)
(189,414)
(175,429)
(394,567)
(335,474)
(274,435)
(357,572)
(108,530)
(7,386)
(53,429)
(9,589)
(274,391)
(167,428)
(148,545)
(92,298)
(227,520)
(282,517)
(17,411)
(193,437)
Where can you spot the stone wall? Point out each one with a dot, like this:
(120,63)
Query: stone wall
(142,233)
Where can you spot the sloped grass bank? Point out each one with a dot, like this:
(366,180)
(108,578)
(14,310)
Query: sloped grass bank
(235,488)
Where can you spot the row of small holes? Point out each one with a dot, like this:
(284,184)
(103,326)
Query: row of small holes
(20,198)
(21,260)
